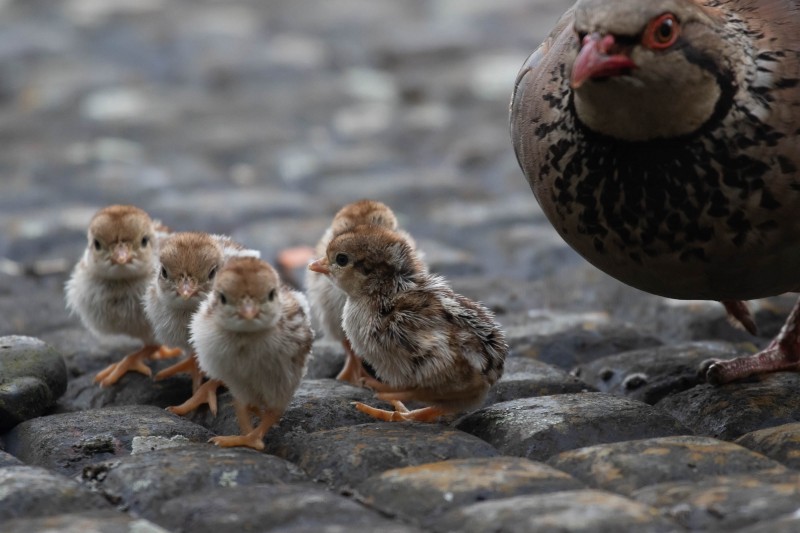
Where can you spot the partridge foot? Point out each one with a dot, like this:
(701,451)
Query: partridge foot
(783,353)
(205,393)
(130,363)
(255,438)
(401,414)
(188,366)
(166,353)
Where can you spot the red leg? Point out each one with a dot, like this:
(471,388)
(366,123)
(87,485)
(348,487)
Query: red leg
(783,353)
(738,311)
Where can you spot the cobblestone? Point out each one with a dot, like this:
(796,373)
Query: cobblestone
(260,119)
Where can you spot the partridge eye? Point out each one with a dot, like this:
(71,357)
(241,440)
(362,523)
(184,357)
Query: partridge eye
(271,295)
(222,298)
(662,32)
(212,272)
(145,241)
(97,245)
(164,274)
(342,259)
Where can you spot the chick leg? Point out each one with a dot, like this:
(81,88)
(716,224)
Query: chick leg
(130,363)
(253,439)
(166,353)
(783,353)
(205,393)
(739,312)
(353,370)
(188,365)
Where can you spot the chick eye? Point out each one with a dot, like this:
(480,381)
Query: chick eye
(212,272)
(661,32)
(271,295)
(97,245)
(342,259)
(145,241)
(222,298)
(164,273)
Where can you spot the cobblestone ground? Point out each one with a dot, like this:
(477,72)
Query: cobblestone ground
(260,119)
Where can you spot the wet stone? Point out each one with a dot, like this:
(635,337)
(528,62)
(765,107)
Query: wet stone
(731,410)
(32,377)
(789,523)
(91,521)
(143,482)
(569,339)
(6,459)
(626,466)
(524,378)
(268,508)
(29,491)
(422,493)
(781,443)
(584,511)
(67,442)
(344,457)
(725,502)
(650,374)
(132,389)
(538,428)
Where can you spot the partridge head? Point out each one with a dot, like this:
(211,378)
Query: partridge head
(253,334)
(661,140)
(425,342)
(107,285)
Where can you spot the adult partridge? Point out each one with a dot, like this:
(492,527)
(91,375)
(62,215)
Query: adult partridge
(662,140)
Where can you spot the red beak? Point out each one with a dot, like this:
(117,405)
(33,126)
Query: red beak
(320,266)
(594,61)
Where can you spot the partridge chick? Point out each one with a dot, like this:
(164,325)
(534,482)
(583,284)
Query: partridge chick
(106,286)
(661,140)
(253,334)
(188,263)
(425,342)
(326,299)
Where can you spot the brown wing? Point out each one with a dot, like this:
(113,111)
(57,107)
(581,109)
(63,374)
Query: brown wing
(539,82)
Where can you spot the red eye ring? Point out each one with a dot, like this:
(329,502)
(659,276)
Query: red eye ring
(661,32)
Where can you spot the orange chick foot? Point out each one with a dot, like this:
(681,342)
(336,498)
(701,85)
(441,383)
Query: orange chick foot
(206,393)
(130,363)
(251,440)
(426,414)
(165,352)
(188,366)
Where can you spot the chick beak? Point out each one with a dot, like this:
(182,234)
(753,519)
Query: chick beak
(595,60)
(187,288)
(121,253)
(320,266)
(248,309)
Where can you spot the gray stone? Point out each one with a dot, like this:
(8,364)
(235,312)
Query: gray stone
(627,466)
(725,502)
(87,522)
(32,377)
(422,493)
(524,378)
(143,482)
(269,508)
(789,523)
(6,459)
(537,428)
(569,339)
(68,442)
(344,457)
(780,443)
(29,491)
(327,360)
(585,511)
(650,374)
(732,410)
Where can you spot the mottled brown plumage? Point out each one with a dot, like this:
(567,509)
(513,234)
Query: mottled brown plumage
(425,342)
(661,140)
